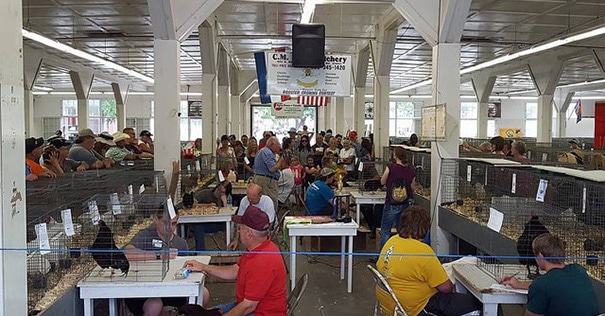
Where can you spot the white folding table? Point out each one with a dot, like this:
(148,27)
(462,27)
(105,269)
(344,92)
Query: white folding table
(343,230)
(144,280)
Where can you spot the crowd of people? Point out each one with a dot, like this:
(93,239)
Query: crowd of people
(57,155)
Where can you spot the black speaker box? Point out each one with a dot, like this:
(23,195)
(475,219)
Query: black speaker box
(308,45)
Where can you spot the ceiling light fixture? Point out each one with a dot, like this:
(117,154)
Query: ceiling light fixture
(307,11)
(82,54)
(42,88)
(506,58)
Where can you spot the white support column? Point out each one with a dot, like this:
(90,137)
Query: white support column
(120,94)
(247,128)
(545,118)
(209,113)
(29,113)
(339,115)
(483,87)
(223,104)
(381,113)
(82,83)
(321,120)
(330,112)
(545,72)
(562,112)
(13,268)
(359,124)
(446,89)
(235,120)
(167,103)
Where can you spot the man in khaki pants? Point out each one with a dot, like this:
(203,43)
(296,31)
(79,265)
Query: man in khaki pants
(267,168)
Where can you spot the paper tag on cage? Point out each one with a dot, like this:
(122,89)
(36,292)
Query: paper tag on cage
(130,190)
(116,209)
(584,200)
(197,166)
(141,189)
(189,168)
(171,210)
(496,219)
(469,175)
(68,225)
(157,243)
(360,168)
(544,156)
(246,160)
(221,178)
(513,188)
(93,210)
(541,190)
(42,235)
(157,184)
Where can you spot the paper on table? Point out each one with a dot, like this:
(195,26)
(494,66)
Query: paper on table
(495,219)
(507,288)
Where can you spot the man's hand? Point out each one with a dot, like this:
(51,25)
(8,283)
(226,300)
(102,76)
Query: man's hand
(82,167)
(195,266)
(233,245)
(107,163)
(31,177)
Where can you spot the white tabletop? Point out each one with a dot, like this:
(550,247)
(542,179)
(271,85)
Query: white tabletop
(224,214)
(323,229)
(368,195)
(477,282)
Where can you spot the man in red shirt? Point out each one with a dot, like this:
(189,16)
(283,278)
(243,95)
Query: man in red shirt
(260,286)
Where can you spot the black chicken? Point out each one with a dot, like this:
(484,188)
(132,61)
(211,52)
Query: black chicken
(112,257)
(533,228)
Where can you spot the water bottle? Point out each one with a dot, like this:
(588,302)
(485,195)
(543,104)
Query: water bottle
(229,200)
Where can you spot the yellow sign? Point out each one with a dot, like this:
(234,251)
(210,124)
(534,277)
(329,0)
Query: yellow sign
(511,132)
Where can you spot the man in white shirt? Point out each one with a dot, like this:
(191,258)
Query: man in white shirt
(254,196)
(347,155)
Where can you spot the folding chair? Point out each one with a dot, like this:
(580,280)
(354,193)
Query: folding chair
(296,294)
(384,286)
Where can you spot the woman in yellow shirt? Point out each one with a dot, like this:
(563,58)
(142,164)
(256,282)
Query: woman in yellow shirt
(415,273)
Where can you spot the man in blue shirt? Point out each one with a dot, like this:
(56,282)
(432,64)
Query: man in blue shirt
(267,168)
(320,197)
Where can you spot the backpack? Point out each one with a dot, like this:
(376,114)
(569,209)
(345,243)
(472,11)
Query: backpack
(399,192)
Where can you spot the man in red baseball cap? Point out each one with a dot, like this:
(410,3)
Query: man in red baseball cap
(260,274)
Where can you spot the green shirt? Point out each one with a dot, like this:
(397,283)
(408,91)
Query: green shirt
(563,292)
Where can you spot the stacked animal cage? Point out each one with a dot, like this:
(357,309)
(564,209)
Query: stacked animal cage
(517,203)
(369,172)
(111,221)
(51,259)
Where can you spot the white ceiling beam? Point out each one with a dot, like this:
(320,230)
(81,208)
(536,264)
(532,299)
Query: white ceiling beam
(223,66)
(32,55)
(82,83)
(483,87)
(599,57)
(383,48)
(362,61)
(162,19)
(31,69)
(208,46)
(189,14)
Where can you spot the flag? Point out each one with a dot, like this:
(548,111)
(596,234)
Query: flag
(306,100)
(578,110)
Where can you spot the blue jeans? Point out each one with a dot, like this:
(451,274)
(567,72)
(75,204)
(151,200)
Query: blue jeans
(227,307)
(391,215)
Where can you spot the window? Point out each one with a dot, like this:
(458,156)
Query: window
(69,118)
(531,120)
(491,128)
(402,118)
(468,119)
(102,116)
(263,120)
(191,126)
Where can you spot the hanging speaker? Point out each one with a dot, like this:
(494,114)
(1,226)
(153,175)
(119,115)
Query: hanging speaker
(308,45)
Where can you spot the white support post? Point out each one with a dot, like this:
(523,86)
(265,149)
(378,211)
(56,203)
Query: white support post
(209,113)
(381,113)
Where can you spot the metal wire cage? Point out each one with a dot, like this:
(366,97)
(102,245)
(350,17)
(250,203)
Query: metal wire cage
(528,202)
(49,239)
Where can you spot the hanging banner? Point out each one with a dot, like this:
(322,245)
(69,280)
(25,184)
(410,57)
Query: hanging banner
(331,81)
(286,110)
(511,132)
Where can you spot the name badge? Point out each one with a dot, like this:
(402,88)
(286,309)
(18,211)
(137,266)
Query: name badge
(157,243)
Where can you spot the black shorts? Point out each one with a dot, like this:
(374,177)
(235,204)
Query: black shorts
(135,305)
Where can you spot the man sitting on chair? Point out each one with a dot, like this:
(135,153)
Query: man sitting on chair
(320,197)
(415,274)
(254,196)
(260,278)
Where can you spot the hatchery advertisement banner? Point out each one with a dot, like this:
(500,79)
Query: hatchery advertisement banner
(334,80)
